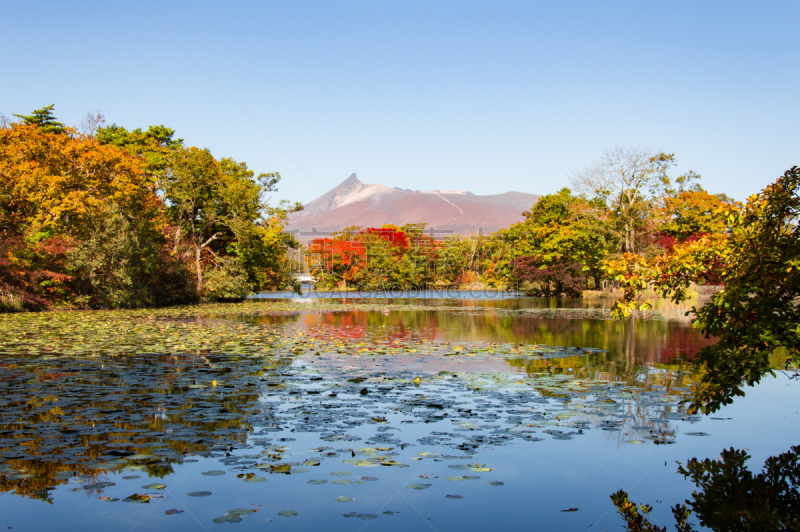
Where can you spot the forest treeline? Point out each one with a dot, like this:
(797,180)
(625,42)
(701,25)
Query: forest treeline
(111,217)
(569,242)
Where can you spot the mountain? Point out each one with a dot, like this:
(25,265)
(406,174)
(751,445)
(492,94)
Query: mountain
(448,211)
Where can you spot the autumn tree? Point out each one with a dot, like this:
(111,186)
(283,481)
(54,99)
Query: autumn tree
(755,315)
(338,260)
(693,213)
(58,183)
(379,258)
(755,320)
(549,280)
(104,218)
(57,194)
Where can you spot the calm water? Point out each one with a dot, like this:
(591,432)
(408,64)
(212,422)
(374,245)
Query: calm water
(357,414)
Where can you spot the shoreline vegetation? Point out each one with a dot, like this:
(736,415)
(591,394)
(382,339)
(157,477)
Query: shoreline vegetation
(693,292)
(107,217)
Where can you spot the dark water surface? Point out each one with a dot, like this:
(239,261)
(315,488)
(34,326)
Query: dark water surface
(358,414)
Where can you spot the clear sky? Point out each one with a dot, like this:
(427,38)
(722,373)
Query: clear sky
(485,96)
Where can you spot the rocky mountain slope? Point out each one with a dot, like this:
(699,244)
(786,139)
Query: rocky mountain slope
(448,212)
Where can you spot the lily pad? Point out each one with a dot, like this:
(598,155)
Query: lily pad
(101,485)
(418,486)
(215,473)
(137,499)
(228,519)
(287,513)
(199,494)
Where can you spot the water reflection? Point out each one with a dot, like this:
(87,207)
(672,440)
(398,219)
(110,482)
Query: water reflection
(86,403)
(64,418)
(633,341)
(473,299)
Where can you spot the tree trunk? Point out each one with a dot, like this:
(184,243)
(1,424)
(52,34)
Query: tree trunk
(177,239)
(199,270)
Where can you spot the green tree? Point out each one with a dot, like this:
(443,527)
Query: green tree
(122,138)
(259,244)
(156,146)
(44,119)
(126,263)
(562,230)
(217,208)
(196,191)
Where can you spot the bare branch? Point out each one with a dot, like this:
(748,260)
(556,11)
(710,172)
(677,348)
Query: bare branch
(91,122)
(626,180)
(211,239)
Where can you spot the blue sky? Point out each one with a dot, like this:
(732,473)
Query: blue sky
(483,96)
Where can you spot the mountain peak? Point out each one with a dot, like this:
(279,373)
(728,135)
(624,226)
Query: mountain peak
(450,211)
(352,180)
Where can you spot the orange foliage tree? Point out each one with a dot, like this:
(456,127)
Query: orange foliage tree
(61,193)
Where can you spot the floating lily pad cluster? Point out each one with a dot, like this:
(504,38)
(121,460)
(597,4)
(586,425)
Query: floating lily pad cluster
(91,394)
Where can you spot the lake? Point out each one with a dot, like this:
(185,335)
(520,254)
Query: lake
(371,413)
